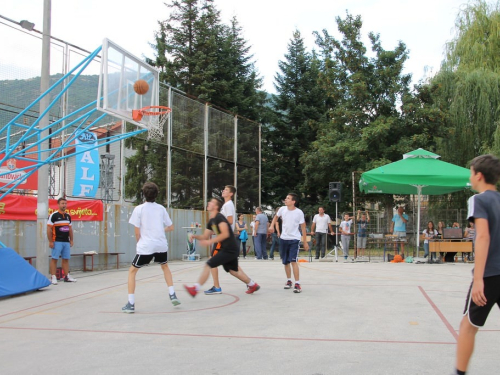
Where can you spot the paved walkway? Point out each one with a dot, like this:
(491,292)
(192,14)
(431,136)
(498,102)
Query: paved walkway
(352,318)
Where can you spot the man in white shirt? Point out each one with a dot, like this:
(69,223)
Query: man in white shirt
(320,226)
(229,212)
(290,236)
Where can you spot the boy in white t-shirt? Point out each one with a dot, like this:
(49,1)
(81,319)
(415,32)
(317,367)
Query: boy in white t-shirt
(345,234)
(292,217)
(229,212)
(151,221)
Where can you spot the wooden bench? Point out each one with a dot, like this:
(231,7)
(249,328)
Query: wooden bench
(91,268)
(29,259)
(85,269)
(117,258)
(85,256)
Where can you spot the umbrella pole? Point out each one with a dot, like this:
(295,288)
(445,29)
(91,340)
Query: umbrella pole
(419,190)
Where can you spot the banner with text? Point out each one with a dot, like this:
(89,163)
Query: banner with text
(86,165)
(21,207)
(9,171)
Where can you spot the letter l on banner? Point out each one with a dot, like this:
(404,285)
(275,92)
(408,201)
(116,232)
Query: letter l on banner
(86,166)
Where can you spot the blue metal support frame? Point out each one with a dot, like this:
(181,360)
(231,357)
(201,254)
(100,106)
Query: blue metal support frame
(33,133)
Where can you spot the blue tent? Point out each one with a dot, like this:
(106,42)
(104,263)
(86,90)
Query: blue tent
(18,276)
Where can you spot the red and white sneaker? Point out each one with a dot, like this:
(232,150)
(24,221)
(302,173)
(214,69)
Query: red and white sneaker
(191,290)
(255,287)
(297,288)
(288,285)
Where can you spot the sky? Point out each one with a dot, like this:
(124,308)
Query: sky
(268,25)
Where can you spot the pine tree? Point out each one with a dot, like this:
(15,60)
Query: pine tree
(198,54)
(297,107)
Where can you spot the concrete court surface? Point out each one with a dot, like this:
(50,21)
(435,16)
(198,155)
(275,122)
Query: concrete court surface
(351,318)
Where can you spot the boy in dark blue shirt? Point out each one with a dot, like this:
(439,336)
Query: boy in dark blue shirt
(484,292)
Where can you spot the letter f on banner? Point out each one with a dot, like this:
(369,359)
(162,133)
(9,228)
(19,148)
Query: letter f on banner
(86,165)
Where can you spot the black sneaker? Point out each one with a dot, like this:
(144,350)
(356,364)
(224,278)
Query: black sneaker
(174,300)
(288,285)
(297,288)
(128,308)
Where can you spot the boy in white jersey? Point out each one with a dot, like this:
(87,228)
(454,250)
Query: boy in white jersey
(292,217)
(151,221)
(229,212)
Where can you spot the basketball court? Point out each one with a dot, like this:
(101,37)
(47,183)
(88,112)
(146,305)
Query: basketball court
(351,318)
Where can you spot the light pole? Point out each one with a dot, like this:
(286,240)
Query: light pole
(42,249)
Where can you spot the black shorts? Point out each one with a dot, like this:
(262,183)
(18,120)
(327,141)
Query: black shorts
(144,259)
(228,261)
(478,314)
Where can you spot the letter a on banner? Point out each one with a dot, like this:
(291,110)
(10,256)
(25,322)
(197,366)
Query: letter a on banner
(87,165)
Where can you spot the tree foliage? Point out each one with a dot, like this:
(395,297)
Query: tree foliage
(199,55)
(297,108)
(469,82)
(374,117)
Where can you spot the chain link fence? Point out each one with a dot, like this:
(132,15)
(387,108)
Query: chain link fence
(205,148)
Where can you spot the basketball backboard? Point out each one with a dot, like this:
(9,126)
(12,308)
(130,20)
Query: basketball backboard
(119,71)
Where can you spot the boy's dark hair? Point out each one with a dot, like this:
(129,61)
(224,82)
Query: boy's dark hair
(294,197)
(218,203)
(61,199)
(489,166)
(150,191)
(231,188)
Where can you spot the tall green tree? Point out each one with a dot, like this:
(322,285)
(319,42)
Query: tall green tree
(470,82)
(237,83)
(298,106)
(198,54)
(374,117)
(186,46)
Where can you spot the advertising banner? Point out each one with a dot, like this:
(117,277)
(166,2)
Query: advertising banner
(21,207)
(86,166)
(9,172)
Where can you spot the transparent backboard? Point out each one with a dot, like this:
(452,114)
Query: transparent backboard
(119,71)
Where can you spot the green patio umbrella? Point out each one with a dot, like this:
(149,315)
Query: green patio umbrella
(421,173)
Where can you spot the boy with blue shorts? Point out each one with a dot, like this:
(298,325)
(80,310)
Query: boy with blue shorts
(60,236)
(484,292)
(292,217)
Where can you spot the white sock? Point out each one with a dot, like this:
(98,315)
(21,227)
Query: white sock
(171,290)
(297,282)
(197,286)
(251,283)
(131,299)
(289,279)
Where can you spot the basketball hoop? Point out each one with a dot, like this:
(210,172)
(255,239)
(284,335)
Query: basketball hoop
(155,118)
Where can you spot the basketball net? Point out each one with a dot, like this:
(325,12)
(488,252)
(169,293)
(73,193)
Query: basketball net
(154,118)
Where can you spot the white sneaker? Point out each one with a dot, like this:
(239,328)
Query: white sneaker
(54,280)
(69,279)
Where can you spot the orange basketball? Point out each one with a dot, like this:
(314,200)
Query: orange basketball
(141,87)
